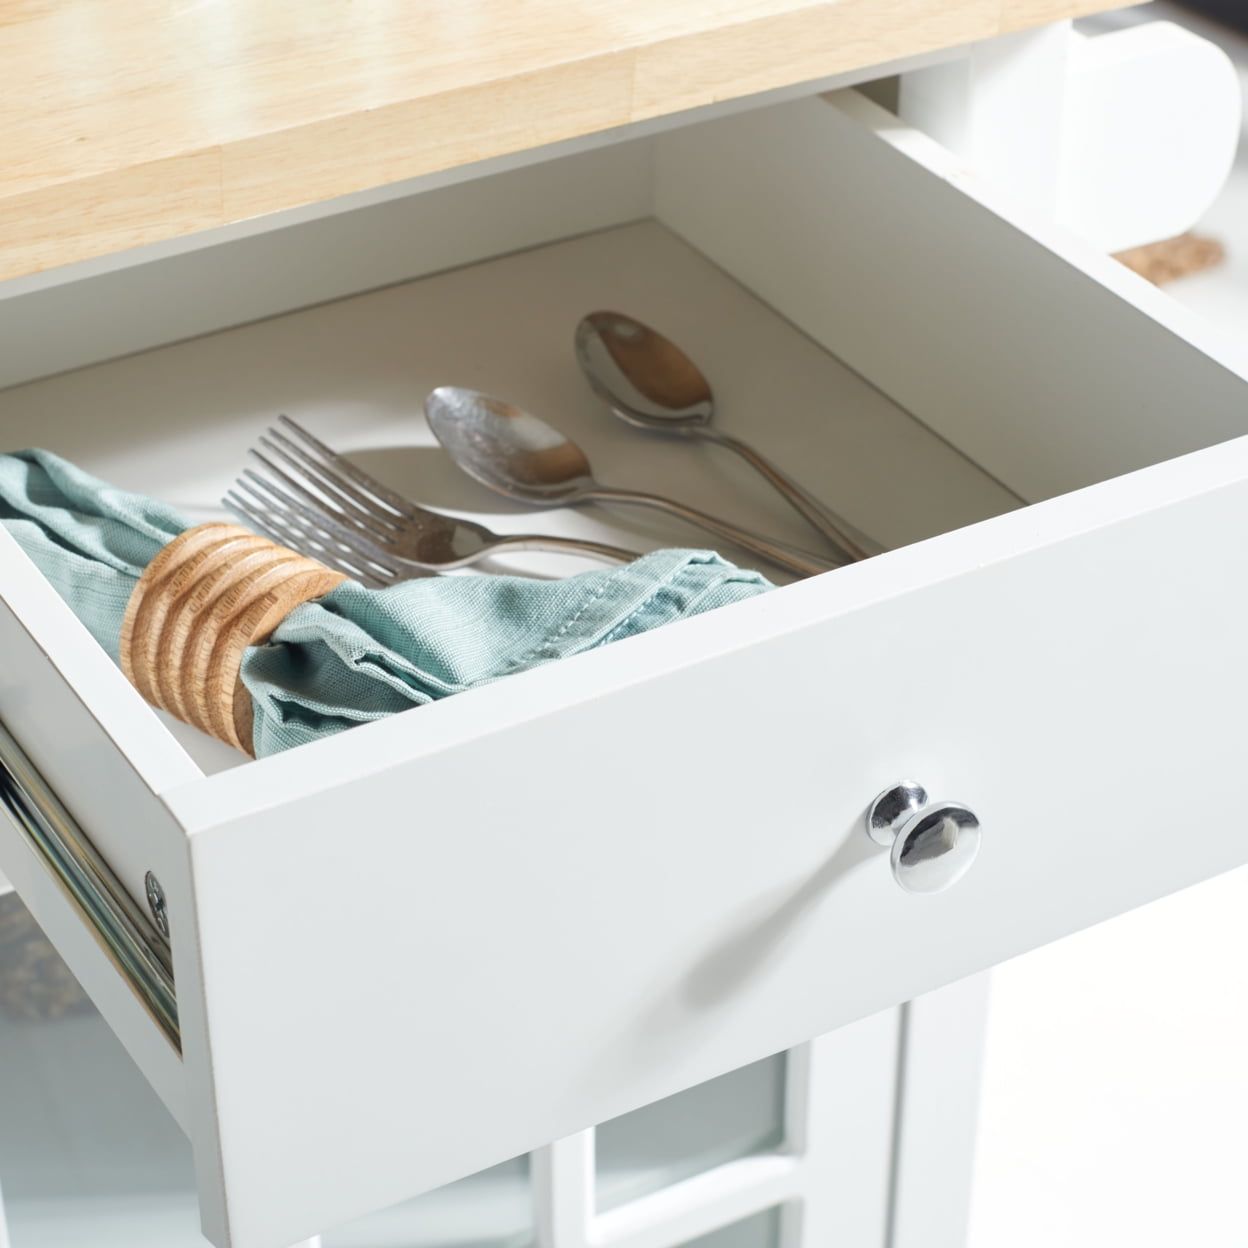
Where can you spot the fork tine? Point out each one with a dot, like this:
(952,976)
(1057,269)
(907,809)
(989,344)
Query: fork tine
(272,497)
(328,502)
(284,529)
(302,541)
(358,475)
(269,525)
(278,528)
(341,491)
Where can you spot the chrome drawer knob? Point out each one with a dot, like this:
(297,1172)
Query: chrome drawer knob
(932,846)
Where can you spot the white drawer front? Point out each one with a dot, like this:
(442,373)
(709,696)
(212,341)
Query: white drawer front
(430,944)
(630,892)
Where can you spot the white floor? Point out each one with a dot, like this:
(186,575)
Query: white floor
(1115,1100)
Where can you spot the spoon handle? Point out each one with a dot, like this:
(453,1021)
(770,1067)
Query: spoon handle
(843,535)
(782,554)
(562,545)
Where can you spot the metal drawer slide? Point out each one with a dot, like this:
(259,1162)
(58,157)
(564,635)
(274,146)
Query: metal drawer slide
(131,941)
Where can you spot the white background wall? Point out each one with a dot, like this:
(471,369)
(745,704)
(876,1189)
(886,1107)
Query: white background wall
(1115,1100)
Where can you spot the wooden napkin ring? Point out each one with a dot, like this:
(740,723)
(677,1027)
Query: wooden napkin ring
(209,594)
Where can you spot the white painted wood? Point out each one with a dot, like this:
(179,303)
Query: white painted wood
(840,1123)
(207,288)
(82,724)
(562,1178)
(1152,122)
(1052,366)
(737,926)
(942,1057)
(62,697)
(107,756)
(830,1178)
(1000,108)
(697,1206)
(738,1115)
(355,1028)
(5,886)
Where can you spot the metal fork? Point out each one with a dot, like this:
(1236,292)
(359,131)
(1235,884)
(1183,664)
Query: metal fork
(312,499)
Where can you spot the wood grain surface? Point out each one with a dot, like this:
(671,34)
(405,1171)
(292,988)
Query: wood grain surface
(206,597)
(137,121)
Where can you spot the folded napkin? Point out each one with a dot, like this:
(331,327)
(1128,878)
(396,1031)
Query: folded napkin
(356,654)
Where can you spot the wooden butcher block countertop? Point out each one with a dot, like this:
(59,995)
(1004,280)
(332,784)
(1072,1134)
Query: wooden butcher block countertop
(129,122)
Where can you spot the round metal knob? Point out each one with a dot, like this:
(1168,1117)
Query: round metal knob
(933,845)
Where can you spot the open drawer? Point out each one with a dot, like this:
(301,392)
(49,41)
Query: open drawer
(433,943)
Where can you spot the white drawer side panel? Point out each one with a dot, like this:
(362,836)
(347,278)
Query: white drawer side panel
(1050,365)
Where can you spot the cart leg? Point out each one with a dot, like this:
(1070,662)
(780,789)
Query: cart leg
(4,1226)
(942,1050)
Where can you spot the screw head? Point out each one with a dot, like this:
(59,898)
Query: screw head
(156,904)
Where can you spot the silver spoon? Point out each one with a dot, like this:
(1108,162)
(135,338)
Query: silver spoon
(648,381)
(521,456)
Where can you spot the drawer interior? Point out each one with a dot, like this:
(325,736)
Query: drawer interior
(864,350)
(923,356)
(177,422)
(858,343)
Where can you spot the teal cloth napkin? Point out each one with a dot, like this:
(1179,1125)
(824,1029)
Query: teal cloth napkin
(356,654)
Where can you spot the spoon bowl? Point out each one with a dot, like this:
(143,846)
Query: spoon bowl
(643,376)
(507,449)
(649,382)
(517,454)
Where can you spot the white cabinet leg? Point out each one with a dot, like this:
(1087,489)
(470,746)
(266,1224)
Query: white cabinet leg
(839,1116)
(829,1181)
(942,1049)
(4,1226)
(562,1178)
